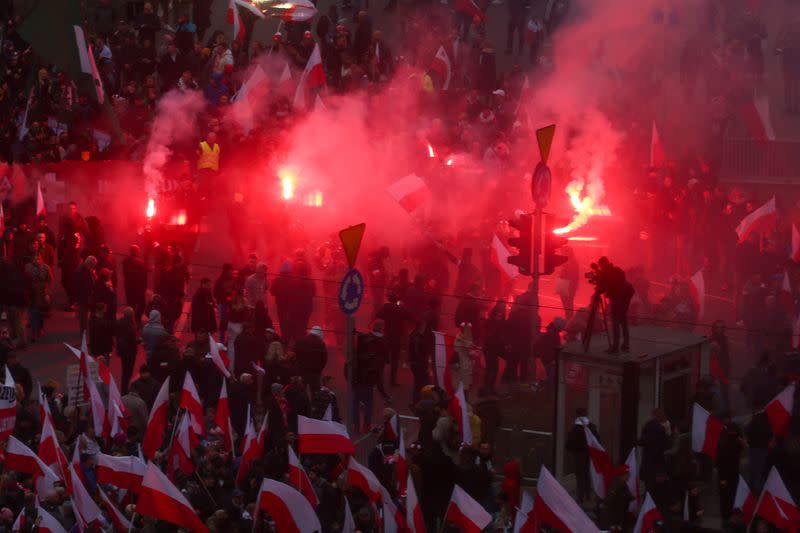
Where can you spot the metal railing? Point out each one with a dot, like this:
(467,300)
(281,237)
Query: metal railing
(748,160)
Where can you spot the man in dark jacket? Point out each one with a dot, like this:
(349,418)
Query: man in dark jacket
(312,356)
(577,446)
(135,272)
(729,455)
(395,316)
(203,316)
(170,67)
(83,287)
(125,334)
(420,348)
(654,442)
(250,348)
(148,24)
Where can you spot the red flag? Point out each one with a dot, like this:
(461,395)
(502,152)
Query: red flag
(779,411)
(757,119)
(121,523)
(8,403)
(234,18)
(706,431)
(222,418)
(458,409)
(299,479)
(633,480)
(46,522)
(92,395)
(287,507)
(697,290)
(410,192)
(390,428)
(393,519)
(523,521)
(658,158)
(190,400)
(443,353)
(20,458)
(124,472)
(648,516)
(363,479)
(40,207)
(744,500)
(466,513)
(86,510)
(759,220)
(180,452)
(601,467)
(220,357)
(116,421)
(469,7)
(160,499)
(313,78)
(441,65)
(416,523)
(776,506)
(253,448)
(50,451)
(321,436)
(154,434)
(555,508)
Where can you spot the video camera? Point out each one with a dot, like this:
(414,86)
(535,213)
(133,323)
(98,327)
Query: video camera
(593,276)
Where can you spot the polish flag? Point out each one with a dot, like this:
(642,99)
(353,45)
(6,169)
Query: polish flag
(313,78)
(390,425)
(75,463)
(469,7)
(523,521)
(86,510)
(697,288)
(779,411)
(443,352)
(50,451)
(8,405)
(40,207)
(328,414)
(744,500)
(757,119)
(401,465)
(46,522)
(600,463)
(776,506)
(466,513)
(759,220)
(190,400)
(179,457)
(286,78)
(795,244)
(458,410)
(253,90)
(116,420)
(253,448)
(287,507)
(299,479)
(499,256)
(20,458)
(441,64)
(235,18)
(706,431)
(348,524)
(410,192)
(416,523)
(555,508)
(92,395)
(658,158)
(124,472)
(222,418)
(162,500)
(298,11)
(648,516)
(394,521)
(321,436)
(118,519)
(154,434)
(363,479)
(633,480)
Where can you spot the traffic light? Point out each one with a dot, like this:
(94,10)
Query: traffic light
(552,242)
(523,243)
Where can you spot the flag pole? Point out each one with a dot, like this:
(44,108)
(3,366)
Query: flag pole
(175,427)
(205,488)
(133,519)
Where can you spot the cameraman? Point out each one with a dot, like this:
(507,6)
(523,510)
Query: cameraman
(612,283)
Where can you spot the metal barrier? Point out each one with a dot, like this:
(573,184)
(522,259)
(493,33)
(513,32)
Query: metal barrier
(775,162)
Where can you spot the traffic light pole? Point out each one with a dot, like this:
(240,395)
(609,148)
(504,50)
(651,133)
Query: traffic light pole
(536,250)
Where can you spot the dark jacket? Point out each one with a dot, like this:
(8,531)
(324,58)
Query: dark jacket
(395,317)
(654,442)
(83,284)
(312,354)
(203,316)
(135,272)
(370,358)
(250,348)
(101,336)
(125,333)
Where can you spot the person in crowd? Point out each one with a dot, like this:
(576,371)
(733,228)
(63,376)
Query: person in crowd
(101,332)
(152,333)
(125,339)
(202,310)
(83,284)
(395,316)
(312,356)
(576,445)
(134,272)
(39,277)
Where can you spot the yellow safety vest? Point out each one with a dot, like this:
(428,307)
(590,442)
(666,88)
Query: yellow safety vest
(209,156)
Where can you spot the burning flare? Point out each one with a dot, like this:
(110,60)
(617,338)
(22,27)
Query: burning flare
(287,183)
(585,207)
(431,153)
(150,212)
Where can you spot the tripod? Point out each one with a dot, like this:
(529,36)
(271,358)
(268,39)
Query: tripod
(597,303)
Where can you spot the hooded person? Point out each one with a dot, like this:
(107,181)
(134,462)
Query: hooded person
(281,291)
(152,333)
(312,356)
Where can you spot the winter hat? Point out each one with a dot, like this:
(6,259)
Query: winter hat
(276,388)
(316,331)
(307,34)
(277,36)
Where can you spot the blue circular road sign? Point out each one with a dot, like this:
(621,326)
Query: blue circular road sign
(351,292)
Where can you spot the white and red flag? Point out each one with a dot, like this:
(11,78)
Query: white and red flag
(523,521)
(234,18)
(776,506)
(322,436)
(294,11)
(46,522)
(761,219)
(299,479)
(658,158)
(50,451)
(125,472)
(312,79)
(116,421)
(706,430)
(348,524)
(648,516)
(363,479)
(179,457)
(220,357)
(20,458)
(795,244)
(442,353)
(222,417)
(410,192)
(633,480)
(757,118)
(459,410)
(253,447)
(162,500)
(401,465)
(442,66)
(499,256)
(601,467)
(190,400)
(469,7)
(744,500)
(287,507)
(416,523)
(697,290)
(555,508)
(118,518)
(779,411)
(394,521)
(92,395)
(390,428)
(154,434)
(40,207)
(86,510)
(8,405)
(467,514)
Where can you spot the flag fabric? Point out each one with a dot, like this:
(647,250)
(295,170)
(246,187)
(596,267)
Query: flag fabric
(744,500)
(86,510)
(601,467)
(414,519)
(779,411)
(41,209)
(154,434)
(469,7)
(633,480)
(319,105)
(348,524)
(648,516)
(658,158)
(466,513)
(442,66)
(776,506)
(706,431)
(190,400)
(499,256)
(321,436)
(555,508)
(313,78)
(410,192)
(234,18)
(222,417)
(96,79)
(394,521)
(50,451)
(126,472)
(46,522)
(401,465)
(363,479)
(253,448)
(328,414)
(523,521)
(458,409)
(288,508)
(118,518)
(286,78)
(20,458)
(179,457)
(92,395)
(244,107)
(116,421)
(759,220)
(8,402)
(162,500)
(442,353)
(697,290)
(299,479)
(686,513)
(390,428)
(757,118)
